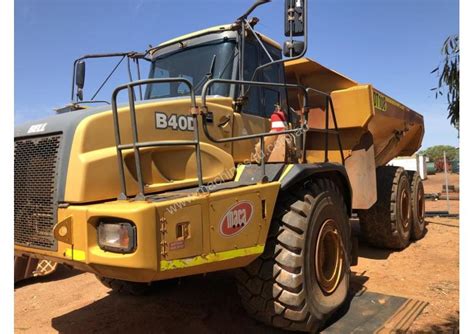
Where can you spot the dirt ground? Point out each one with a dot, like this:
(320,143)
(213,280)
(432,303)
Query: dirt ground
(428,270)
(73,302)
(434,184)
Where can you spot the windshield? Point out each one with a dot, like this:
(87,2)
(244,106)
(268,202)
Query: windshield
(197,64)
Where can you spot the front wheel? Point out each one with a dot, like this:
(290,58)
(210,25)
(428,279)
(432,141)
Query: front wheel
(303,275)
(125,287)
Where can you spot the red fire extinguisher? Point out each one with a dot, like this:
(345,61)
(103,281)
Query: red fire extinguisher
(278,120)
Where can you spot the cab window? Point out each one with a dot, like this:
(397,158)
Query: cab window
(251,62)
(262,100)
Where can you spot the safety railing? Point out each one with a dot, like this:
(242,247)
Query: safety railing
(302,129)
(329,107)
(260,136)
(136,144)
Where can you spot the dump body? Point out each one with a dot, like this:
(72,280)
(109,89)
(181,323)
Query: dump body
(360,108)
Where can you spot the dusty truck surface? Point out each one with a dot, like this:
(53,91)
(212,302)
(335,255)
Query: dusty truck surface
(235,153)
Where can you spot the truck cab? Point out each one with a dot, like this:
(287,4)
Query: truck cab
(66,165)
(215,54)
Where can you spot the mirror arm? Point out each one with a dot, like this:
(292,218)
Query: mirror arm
(252,8)
(131,54)
(259,40)
(242,55)
(283,60)
(108,77)
(137,61)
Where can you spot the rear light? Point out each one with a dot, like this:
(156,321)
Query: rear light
(119,237)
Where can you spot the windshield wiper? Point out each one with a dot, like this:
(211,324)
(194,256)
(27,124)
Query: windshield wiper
(208,75)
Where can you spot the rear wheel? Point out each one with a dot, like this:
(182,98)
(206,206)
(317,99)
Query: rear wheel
(303,275)
(418,206)
(387,223)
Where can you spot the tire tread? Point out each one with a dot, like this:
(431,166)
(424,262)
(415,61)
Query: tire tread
(379,223)
(285,305)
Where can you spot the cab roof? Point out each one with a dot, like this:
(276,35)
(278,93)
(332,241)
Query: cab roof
(215,29)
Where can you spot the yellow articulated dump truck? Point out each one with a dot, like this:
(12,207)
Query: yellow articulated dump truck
(235,153)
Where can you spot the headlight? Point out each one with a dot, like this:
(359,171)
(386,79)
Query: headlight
(117,237)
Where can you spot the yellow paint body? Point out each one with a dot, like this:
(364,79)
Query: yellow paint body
(93,176)
(93,173)
(205,250)
(396,129)
(163,252)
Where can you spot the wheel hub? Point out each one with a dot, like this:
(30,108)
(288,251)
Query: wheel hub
(329,256)
(405,208)
(421,204)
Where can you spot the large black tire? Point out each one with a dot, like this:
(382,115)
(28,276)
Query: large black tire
(286,287)
(387,223)
(125,287)
(418,228)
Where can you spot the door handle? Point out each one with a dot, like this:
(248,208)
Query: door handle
(223,121)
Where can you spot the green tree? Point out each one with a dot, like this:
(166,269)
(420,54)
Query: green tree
(436,152)
(448,77)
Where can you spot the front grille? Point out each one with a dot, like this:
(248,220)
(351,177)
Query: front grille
(36,163)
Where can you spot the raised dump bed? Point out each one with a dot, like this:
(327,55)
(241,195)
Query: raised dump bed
(360,109)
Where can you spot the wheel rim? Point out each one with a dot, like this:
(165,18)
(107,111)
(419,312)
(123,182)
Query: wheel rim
(329,256)
(405,208)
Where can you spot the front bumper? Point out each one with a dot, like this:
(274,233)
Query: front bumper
(160,252)
(83,251)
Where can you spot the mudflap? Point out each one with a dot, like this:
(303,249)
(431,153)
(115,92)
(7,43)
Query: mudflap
(354,250)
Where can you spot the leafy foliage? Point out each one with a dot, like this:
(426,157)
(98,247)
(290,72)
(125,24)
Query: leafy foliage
(436,152)
(448,77)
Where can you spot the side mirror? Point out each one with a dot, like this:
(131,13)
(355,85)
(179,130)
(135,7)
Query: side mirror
(293,48)
(294,18)
(80,78)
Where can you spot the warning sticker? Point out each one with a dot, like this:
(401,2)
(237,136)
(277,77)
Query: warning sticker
(175,245)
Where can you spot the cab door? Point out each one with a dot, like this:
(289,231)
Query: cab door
(219,121)
(261,101)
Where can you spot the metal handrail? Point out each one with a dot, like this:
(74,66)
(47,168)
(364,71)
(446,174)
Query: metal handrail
(327,131)
(204,109)
(136,145)
(260,136)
